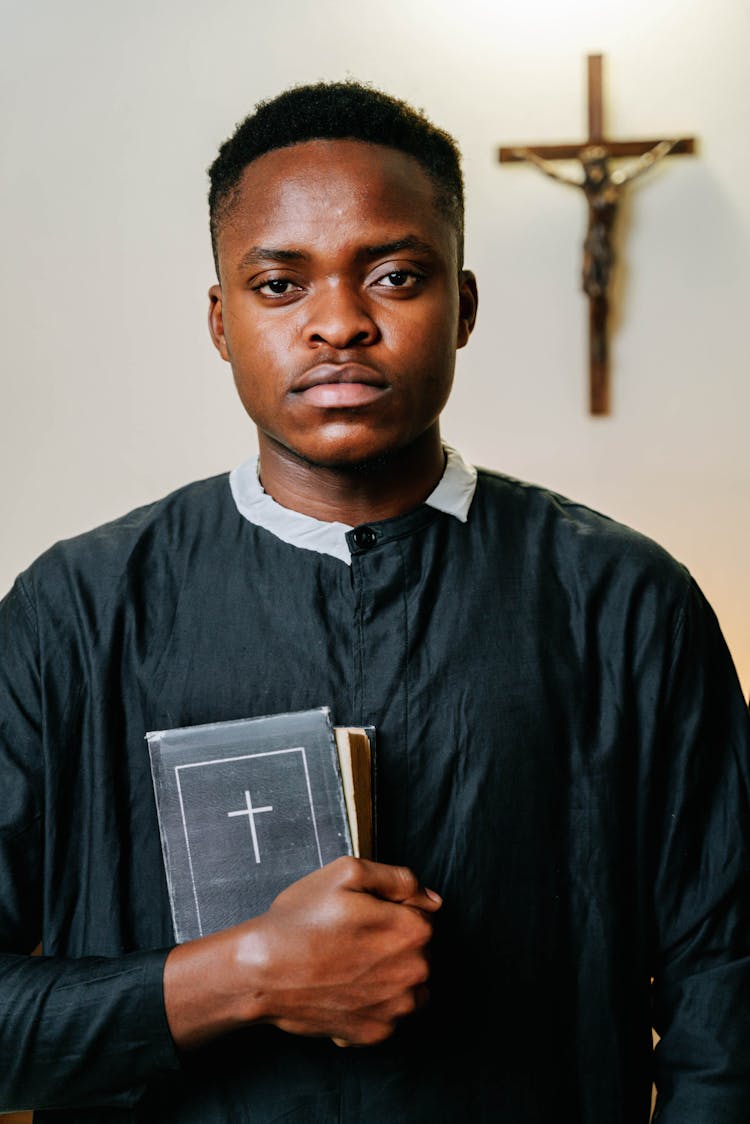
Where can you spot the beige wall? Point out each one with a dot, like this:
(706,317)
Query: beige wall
(111,394)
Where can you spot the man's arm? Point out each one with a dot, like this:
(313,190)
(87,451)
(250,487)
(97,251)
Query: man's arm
(72,1031)
(341,953)
(701,883)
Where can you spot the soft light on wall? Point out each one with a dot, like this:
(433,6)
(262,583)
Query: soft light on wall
(112,394)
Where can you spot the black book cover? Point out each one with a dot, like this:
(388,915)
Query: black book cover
(245,808)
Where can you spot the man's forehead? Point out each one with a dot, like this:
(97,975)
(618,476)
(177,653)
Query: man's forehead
(308,193)
(325,176)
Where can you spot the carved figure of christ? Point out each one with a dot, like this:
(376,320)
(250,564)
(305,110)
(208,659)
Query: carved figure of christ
(251,813)
(602,188)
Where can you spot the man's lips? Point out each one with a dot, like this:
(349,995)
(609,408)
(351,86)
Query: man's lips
(334,385)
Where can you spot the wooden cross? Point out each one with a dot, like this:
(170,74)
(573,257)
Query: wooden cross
(603,191)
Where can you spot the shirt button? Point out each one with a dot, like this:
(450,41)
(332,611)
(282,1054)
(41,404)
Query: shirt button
(364,537)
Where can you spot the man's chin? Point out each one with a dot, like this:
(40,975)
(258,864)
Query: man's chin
(356,457)
(350,462)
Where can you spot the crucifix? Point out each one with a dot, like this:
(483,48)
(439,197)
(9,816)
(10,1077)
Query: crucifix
(251,813)
(602,189)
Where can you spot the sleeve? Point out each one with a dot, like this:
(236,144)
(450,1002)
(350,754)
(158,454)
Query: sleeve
(701,883)
(73,1032)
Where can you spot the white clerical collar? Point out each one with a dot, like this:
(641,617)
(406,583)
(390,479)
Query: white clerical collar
(453,495)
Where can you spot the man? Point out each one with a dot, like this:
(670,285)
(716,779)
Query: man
(562,744)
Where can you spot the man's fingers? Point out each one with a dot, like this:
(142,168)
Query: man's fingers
(385,1017)
(392,883)
(425,899)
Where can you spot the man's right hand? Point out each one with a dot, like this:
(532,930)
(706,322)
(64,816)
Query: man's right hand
(342,953)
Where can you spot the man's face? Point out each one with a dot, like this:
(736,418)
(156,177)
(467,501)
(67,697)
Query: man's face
(340,306)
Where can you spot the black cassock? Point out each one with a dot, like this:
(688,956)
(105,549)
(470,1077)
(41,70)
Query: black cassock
(562,753)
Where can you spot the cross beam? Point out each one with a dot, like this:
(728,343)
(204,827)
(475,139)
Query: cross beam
(684,147)
(571,150)
(603,196)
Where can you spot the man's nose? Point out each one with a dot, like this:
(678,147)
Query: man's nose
(339,317)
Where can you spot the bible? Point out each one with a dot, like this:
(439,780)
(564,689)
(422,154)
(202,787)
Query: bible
(247,807)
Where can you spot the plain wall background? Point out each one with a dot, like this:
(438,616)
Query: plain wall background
(111,392)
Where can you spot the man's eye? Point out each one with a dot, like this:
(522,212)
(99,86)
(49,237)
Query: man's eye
(276,287)
(400,279)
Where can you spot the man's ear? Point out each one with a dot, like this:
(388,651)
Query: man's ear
(468,300)
(216,321)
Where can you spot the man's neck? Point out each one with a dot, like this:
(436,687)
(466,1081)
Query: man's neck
(354,495)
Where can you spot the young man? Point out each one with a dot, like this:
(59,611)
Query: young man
(562,744)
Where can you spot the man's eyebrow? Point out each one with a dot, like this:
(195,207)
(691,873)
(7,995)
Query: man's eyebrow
(259,254)
(410,242)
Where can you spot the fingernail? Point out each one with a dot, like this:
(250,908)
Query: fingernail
(433,896)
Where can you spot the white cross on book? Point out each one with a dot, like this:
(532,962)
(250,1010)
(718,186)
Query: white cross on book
(251,813)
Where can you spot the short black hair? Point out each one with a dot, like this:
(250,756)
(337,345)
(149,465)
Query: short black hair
(338,111)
